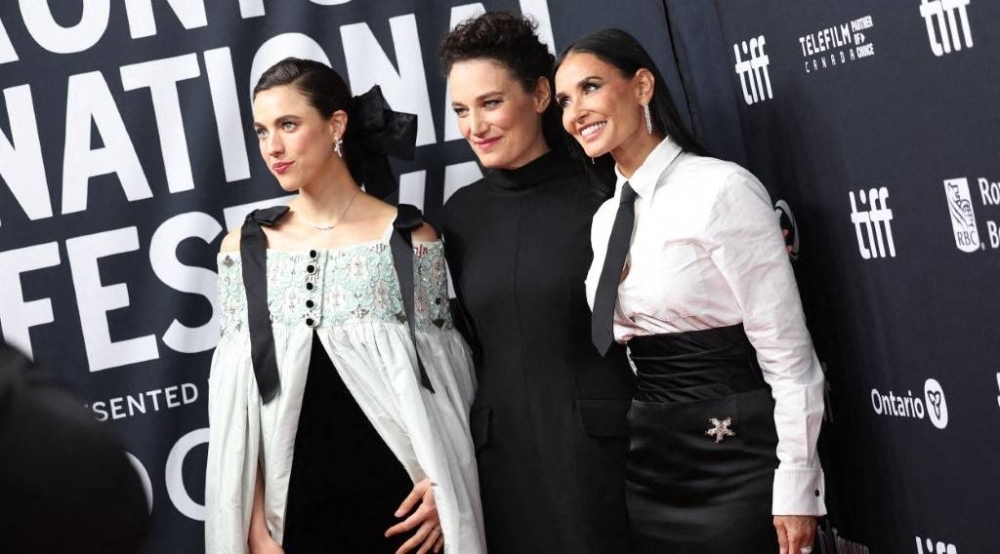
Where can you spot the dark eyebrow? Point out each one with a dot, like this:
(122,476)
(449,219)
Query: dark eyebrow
(488,94)
(277,119)
(479,98)
(579,84)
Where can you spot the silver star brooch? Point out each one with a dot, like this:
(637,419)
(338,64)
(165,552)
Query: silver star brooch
(720,429)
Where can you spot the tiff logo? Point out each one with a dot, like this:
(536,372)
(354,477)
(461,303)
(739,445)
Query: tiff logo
(949,14)
(935,547)
(873,221)
(753,74)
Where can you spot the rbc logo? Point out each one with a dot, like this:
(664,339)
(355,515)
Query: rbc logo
(935,548)
(950,15)
(753,74)
(873,221)
(963,218)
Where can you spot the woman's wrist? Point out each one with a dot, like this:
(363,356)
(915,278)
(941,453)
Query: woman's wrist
(259,532)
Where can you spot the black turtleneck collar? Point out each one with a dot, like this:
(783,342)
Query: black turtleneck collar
(535,172)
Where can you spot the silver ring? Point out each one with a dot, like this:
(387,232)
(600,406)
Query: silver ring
(806,550)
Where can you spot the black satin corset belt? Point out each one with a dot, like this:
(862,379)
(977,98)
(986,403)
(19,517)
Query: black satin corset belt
(697,365)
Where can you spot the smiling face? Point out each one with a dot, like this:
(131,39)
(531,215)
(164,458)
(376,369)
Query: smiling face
(295,140)
(602,109)
(501,121)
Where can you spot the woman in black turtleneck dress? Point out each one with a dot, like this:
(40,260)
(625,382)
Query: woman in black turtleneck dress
(549,419)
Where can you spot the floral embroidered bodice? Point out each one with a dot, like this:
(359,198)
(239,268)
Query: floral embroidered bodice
(331,288)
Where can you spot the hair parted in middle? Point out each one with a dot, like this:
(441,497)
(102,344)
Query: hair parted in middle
(623,51)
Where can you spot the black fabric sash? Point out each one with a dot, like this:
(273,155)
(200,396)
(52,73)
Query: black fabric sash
(407,219)
(253,251)
(696,365)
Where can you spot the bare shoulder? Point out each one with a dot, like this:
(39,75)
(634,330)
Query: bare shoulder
(425,233)
(231,242)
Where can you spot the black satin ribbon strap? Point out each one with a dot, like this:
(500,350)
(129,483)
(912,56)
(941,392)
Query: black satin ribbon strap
(374,131)
(253,251)
(401,243)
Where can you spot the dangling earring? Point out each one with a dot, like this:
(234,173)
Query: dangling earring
(649,119)
(592,161)
(337,145)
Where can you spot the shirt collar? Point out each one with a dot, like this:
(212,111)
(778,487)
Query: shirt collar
(644,179)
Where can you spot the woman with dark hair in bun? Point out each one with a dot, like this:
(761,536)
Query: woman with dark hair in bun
(339,391)
(690,271)
(549,417)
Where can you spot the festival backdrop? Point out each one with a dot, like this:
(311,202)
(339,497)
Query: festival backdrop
(878,123)
(125,153)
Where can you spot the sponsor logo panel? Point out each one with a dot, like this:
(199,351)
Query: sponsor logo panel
(872,219)
(948,27)
(751,69)
(838,45)
(931,405)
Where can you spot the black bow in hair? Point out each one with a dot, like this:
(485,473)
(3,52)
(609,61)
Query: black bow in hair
(374,132)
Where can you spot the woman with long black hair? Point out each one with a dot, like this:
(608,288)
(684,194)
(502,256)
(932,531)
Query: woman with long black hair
(690,272)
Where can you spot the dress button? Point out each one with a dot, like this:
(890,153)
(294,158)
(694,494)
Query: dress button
(310,321)
(817,492)
(311,268)
(309,286)
(310,303)
(313,253)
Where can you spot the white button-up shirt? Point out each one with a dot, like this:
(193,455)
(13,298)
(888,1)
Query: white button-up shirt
(707,252)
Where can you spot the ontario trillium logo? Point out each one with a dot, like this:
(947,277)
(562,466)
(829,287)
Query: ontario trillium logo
(936,403)
(932,405)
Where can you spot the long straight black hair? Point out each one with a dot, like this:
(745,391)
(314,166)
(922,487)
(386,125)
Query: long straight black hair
(623,51)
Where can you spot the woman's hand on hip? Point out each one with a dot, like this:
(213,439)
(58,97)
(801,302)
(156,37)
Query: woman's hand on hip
(428,536)
(795,533)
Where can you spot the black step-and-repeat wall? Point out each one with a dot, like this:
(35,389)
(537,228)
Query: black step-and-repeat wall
(125,153)
(879,124)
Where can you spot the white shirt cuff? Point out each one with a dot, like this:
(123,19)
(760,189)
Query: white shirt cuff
(799,492)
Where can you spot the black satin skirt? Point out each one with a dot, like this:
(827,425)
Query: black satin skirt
(689,491)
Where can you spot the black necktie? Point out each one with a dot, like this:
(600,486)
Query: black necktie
(602,322)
